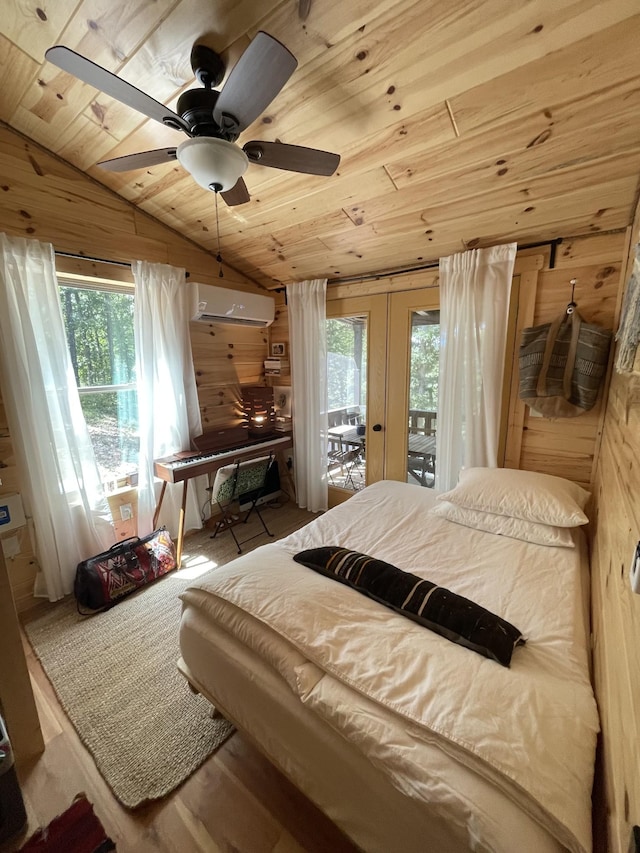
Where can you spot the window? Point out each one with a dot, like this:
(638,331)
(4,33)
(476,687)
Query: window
(99,325)
(425,360)
(346,362)
(346,397)
(424,370)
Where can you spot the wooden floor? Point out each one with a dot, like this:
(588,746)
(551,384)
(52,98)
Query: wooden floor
(235,803)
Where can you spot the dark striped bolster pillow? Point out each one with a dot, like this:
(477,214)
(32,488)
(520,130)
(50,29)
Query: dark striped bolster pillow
(450,615)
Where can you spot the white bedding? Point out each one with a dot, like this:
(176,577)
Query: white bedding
(395,690)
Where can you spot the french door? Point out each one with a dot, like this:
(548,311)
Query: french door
(399,400)
(382,371)
(412,385)
(356,374)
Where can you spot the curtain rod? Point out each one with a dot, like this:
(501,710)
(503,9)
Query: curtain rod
(99,260)
(95,260)
(431,265)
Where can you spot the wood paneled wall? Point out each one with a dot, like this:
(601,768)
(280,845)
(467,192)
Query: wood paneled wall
(567,447)
(226,358)
(279,333)
(615,531)
(43,198)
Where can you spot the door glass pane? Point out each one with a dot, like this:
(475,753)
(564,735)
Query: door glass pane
(423,397)
(347,396)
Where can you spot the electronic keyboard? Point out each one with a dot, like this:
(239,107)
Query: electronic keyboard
(185,465)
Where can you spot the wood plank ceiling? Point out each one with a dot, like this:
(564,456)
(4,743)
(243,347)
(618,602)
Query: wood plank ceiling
(460,123)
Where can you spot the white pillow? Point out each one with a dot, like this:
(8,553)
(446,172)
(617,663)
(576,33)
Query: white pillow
(521,494)
(504,525)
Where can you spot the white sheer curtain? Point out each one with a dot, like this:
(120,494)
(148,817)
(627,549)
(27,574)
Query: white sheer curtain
(169,415)
(474,304)
(307,328)
(59,478)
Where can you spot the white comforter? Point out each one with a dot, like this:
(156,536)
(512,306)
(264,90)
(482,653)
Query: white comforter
(530,729)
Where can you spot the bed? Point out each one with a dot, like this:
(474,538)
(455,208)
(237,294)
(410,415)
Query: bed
(406,740)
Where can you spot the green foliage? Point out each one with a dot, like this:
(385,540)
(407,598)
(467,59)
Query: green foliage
(100,338)
(340,337)
(99,328)
(112,421)
(425,356)
(346,363)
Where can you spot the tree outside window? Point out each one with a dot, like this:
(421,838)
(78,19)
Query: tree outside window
(100,337)
(346,362)
(425,361)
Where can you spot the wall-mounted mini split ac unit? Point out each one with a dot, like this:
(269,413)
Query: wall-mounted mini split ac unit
(222,305)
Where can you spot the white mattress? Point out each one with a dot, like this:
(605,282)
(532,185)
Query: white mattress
(485,750)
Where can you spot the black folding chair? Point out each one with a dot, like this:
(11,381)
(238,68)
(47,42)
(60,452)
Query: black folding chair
(233,481)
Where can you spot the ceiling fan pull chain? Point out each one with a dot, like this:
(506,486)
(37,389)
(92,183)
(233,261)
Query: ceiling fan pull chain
(218,256)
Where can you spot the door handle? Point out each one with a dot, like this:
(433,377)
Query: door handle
(376,427)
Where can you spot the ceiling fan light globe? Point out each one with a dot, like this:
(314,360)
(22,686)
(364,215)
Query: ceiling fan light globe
(211,161)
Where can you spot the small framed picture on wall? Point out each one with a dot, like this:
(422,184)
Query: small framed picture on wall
(278,349)
(282,401)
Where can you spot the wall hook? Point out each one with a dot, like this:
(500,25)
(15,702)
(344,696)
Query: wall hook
(571,307)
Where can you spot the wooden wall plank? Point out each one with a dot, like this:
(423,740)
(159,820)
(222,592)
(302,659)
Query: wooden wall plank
(384,284)
(337,255)
(31,28)
(23,70)
(588,250)
(599,55)
(16,696)
(507,181)
(615,609)
(516,410)
(566,446)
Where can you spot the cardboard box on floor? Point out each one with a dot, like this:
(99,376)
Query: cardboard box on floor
(124,512)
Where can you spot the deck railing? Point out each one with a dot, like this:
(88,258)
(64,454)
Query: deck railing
(422,422)
(347,415)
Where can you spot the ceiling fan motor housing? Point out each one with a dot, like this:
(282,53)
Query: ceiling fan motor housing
(196,106)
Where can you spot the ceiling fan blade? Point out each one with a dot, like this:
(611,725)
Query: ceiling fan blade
(103,80)
(139,161)
(238,194)
(254,81)
(293,158)
(304,7)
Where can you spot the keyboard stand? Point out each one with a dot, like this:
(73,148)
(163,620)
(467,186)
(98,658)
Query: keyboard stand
(188,469)
(183,510)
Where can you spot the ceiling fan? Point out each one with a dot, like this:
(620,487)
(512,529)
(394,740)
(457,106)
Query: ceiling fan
(211,119)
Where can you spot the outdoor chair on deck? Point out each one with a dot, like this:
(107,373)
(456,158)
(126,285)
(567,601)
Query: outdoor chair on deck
(234,481)
(335,458)
(347,458)
(422,468)
(421,459)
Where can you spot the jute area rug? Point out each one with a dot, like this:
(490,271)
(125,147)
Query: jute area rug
(116,677)
(115,672)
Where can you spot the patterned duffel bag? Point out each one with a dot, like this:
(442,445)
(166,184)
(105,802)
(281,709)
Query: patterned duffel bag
(106,579)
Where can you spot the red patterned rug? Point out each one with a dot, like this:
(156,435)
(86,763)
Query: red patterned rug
(77,830)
